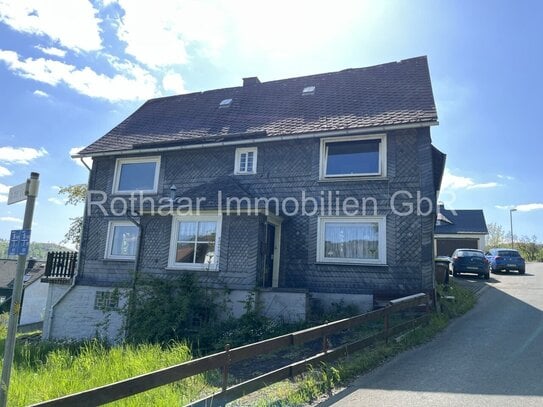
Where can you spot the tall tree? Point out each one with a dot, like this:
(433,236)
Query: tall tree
(496,235)
(528,247)
(74,194)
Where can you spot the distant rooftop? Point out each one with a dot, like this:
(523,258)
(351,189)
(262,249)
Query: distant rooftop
(461,221)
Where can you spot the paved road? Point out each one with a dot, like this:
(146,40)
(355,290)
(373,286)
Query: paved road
(492,356)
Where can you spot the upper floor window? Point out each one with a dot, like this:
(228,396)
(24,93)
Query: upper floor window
(352,240)
(122,238)
(353,157)
(136,175)
(246,160)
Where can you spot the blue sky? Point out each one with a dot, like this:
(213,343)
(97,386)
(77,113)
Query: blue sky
(70,70)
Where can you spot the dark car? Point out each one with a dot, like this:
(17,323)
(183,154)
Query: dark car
(469,261)
(505,260)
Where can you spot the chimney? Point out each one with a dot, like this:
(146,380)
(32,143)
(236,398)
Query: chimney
(252,81)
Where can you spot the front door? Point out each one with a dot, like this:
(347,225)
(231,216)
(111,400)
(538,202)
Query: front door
(267,277)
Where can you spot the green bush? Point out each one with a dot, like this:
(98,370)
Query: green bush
(168,309)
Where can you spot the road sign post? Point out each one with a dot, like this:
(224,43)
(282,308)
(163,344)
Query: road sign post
(19,244)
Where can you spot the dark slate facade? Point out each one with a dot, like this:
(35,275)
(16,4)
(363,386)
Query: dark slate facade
(196,139)
(284,169)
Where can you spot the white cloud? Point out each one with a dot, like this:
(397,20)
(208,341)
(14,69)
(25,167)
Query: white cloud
(451,181)
(155,36)
(41,93)
(4,172)
(41,70)
(3,198)
(484,185)
(73,23)
(56,201)
(507,177)
(173,82)
(131,83)
(529,207)
(523,207)
(4,189)
(87,160)
(162,35)
(10,219)
(20,155)
(56,52)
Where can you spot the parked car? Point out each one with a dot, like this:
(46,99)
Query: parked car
(505,260)
(469,261)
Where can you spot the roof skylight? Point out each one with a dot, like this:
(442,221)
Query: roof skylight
(225,103)
(308,90)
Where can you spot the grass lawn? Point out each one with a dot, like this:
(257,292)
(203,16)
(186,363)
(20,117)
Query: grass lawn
(46,370)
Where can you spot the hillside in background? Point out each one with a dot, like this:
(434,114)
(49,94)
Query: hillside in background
(37,250)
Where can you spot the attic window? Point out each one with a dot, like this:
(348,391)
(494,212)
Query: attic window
(308,90)
(225,103)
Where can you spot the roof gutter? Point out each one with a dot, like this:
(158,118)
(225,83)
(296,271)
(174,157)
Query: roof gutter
(376,129)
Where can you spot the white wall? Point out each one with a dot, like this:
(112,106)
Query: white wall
(75,317)
(283,305)
(35,297)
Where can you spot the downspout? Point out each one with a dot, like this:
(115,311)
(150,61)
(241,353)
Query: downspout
(72,284)
(132,300)
(85,164)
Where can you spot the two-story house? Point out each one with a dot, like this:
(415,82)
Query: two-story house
(317,188)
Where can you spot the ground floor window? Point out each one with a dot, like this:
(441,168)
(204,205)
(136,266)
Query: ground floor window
(122,239)
(352,240)
(194,242)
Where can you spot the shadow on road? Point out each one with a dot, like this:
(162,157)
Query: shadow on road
(495,349)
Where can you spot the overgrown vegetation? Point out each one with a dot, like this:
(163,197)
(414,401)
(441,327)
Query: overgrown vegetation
(162,310)
(74,195)
(168,311)
(323,378)
(46,370)
(180,309)
(528,247)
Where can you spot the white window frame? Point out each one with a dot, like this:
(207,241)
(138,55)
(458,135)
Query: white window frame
(214,265)
(117,176)
(109,242)
(321,230)
(382,156)
(244,150)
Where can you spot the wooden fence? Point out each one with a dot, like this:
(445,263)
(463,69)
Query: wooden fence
(60,266)
(222,360)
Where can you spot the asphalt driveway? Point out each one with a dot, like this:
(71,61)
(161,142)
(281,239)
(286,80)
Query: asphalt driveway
(492,356)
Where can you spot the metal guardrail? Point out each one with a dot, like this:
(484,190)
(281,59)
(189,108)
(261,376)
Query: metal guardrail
(222,360)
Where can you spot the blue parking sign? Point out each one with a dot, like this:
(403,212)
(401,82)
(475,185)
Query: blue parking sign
(19,242)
